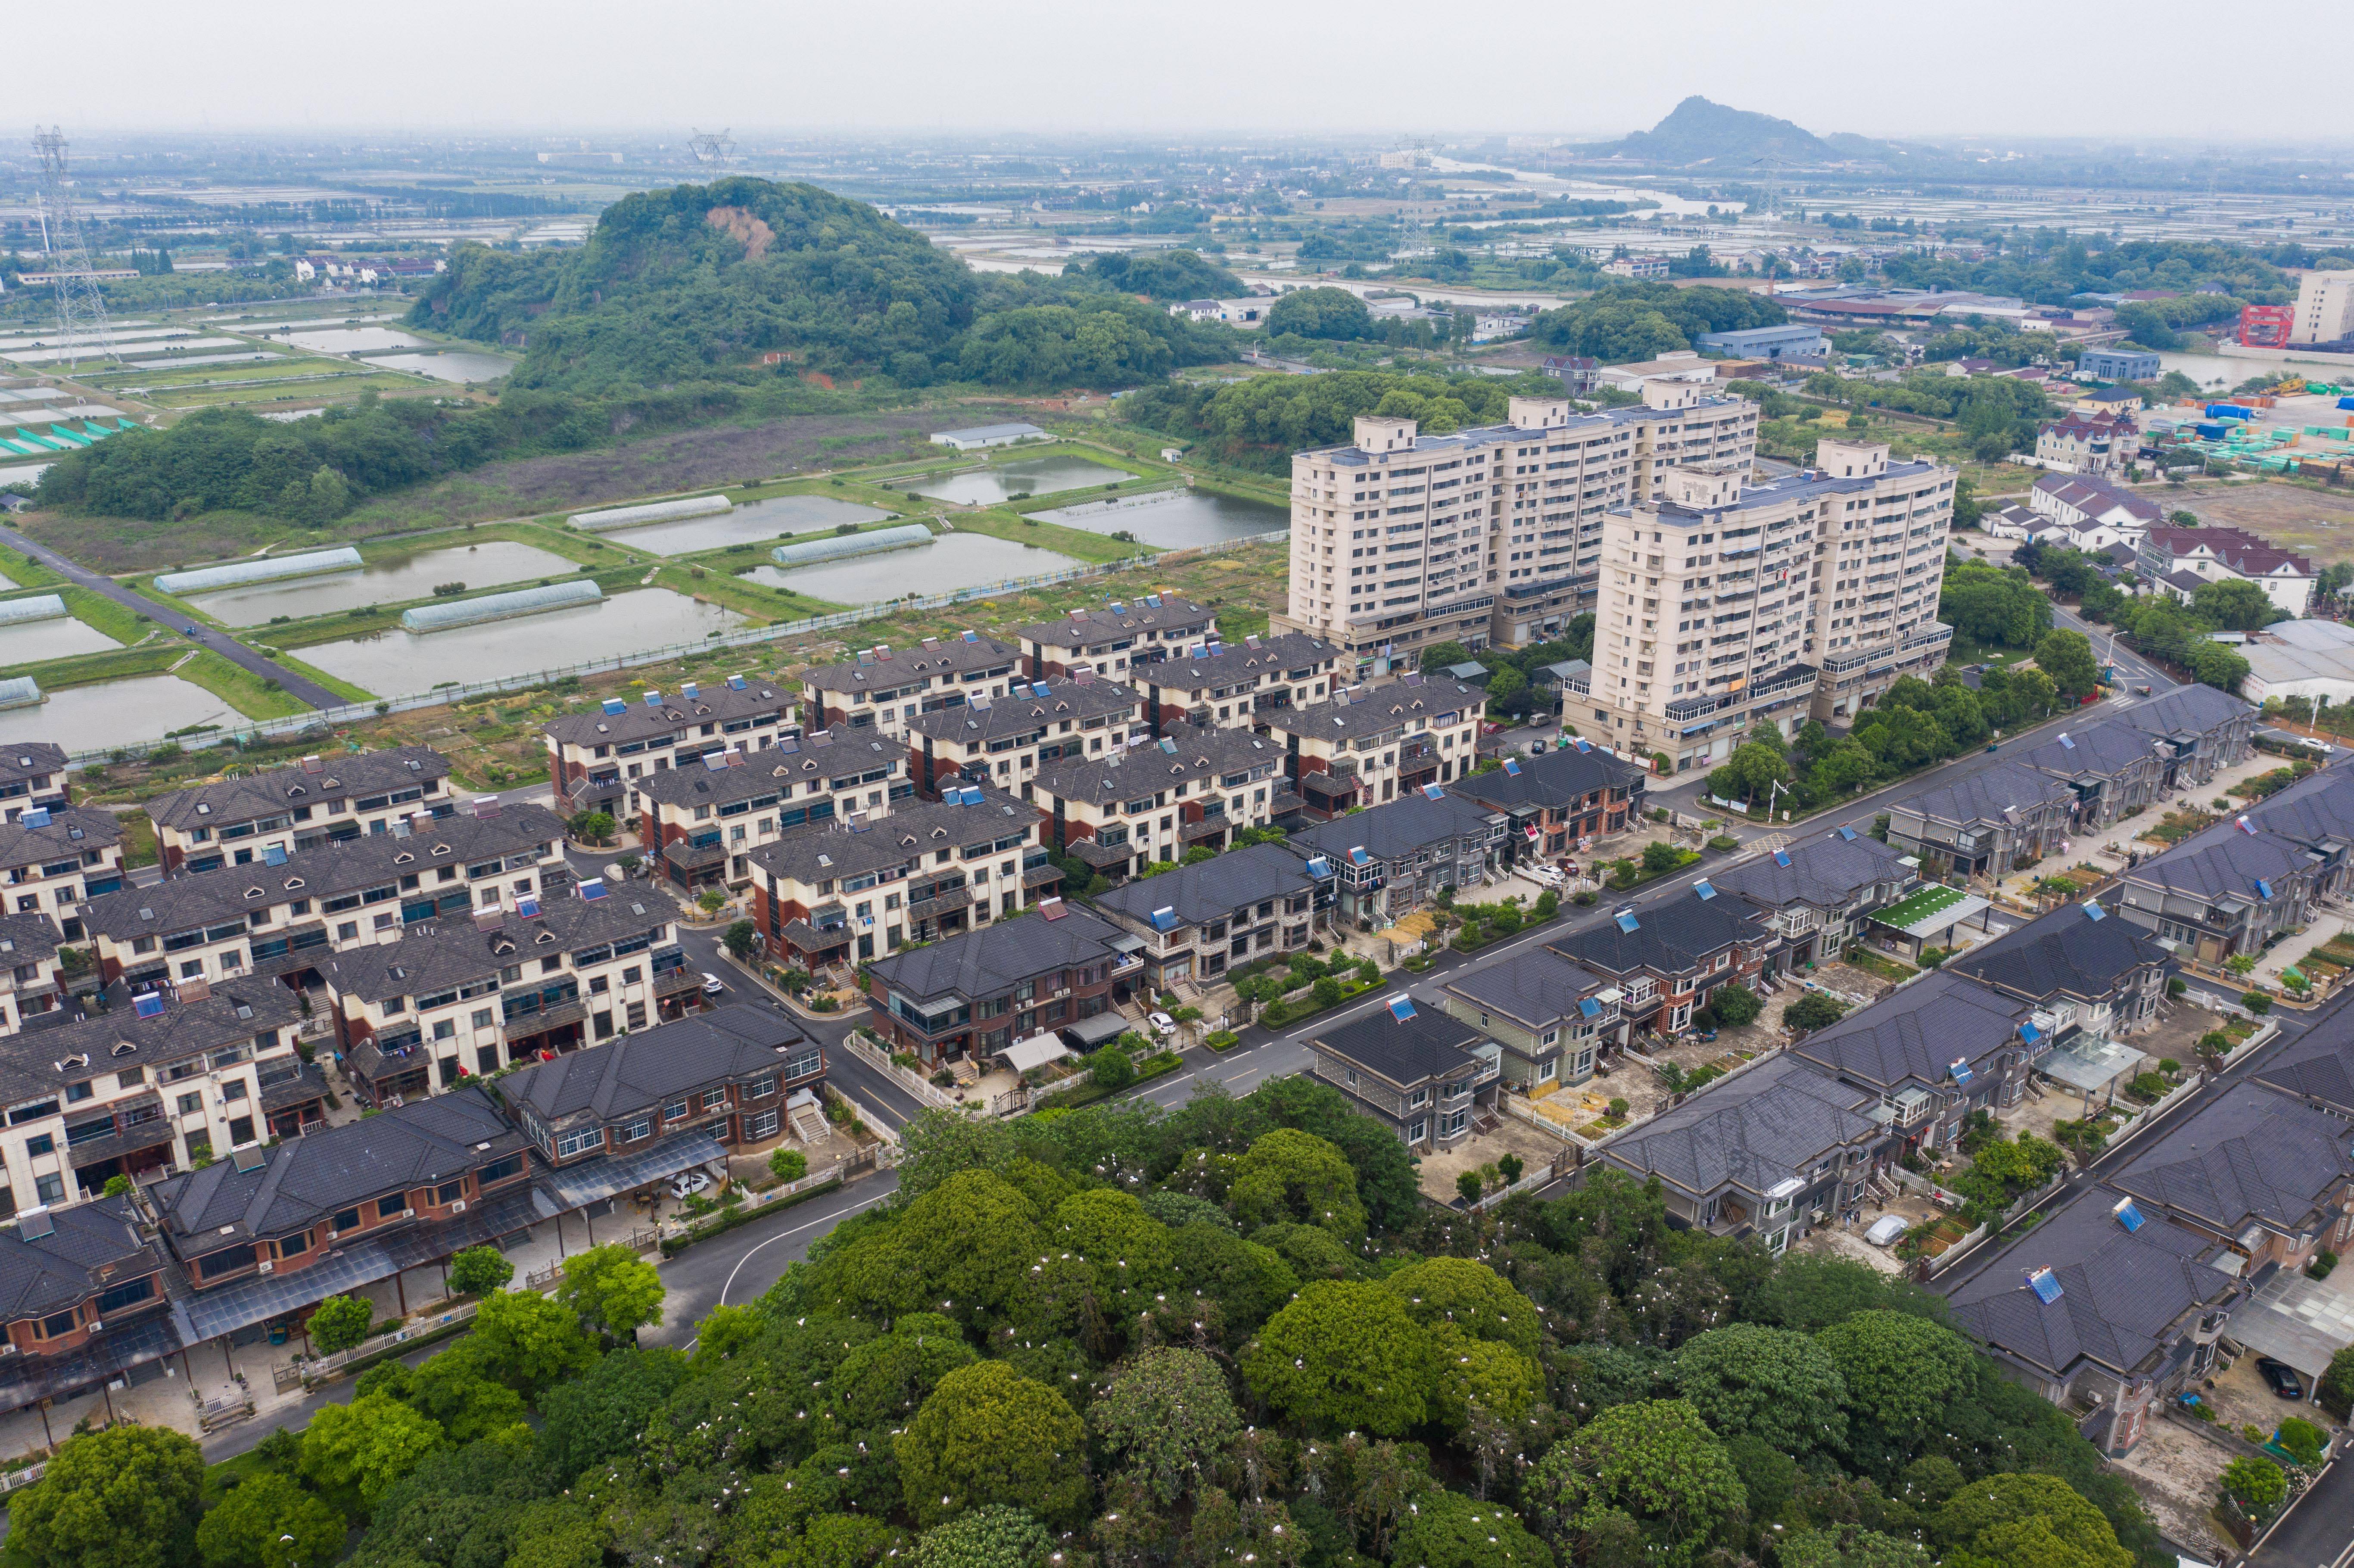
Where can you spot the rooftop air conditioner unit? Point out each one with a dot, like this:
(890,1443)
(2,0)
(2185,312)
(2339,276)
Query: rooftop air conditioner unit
(458,1207)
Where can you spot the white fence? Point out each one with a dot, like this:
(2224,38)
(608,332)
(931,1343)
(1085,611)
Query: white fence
(453,691)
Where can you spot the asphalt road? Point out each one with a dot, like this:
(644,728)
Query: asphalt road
(307,689)
(2318,1532)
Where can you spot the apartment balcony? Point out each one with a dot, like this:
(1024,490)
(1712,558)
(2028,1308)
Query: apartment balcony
(947,901)
(1040,876)
(1935,635)
(1204,828)
(1102,855)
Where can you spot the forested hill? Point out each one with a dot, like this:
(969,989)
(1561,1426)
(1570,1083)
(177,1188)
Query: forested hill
(700,282)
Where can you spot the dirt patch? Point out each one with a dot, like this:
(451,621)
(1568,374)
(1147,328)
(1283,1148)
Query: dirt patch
(2311,522)
(754,235)
(2177,1471)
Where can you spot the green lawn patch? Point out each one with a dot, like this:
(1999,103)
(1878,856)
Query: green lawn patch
(1278,1014)
(1077,542)
(90,669)
(25,572)
(248,693)
(112,616)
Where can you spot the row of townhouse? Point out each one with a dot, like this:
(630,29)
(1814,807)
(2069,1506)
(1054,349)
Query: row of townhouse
(880,689)
(111,1288)
(32,773)
(285,912)
(2234,888)
(594,759)
(322,800)
(2028,805)
(1004,741)
(1121,811)
(471,996)
(699,823)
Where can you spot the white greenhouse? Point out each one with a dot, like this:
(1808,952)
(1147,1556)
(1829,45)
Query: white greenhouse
(266,568)
(500,606)
(839,547)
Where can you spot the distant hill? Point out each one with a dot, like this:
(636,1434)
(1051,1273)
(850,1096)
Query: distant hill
(700,283)
(1700,132)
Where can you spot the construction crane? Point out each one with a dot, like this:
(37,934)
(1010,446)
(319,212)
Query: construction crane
(714,150)
(82,304)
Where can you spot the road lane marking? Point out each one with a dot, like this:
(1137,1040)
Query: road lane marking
(833,1219)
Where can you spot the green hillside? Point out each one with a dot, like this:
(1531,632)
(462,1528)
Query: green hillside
(702,283)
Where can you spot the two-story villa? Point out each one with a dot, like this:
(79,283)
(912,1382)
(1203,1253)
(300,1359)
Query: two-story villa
(1425,1075)
(1121,811)
(1367,745)
(976,994)
(32,773)
(706,818)
(55,859)
(1560,803)
(1254,902)
(1221,685)
(1551,1017)
(1670,960)
(1003,741)
(1818,892)
(1109,642)
(882,690)
(68,1277)
(32,978)
(1935,1051)
(593,757)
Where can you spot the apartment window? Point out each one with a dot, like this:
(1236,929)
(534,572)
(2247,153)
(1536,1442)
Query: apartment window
(574,1142)
(191,1104)
(714,1098)
(674,1111)
(49,1188)
(761,1124)
(637,1127)
(349,1220)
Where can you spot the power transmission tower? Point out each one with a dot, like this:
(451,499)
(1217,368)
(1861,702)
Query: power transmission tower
(712,149)
(82,304)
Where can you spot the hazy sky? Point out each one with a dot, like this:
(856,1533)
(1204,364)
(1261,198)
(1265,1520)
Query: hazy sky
(1373,67)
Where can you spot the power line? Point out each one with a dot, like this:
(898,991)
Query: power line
(81,303)
(713,149)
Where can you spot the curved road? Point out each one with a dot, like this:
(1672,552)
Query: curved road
(237,653)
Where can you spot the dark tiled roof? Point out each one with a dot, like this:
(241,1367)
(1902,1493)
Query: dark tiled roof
(1990,795)
(91,1247)
(2250,1154)
(714,704)
(2103,751)
(44,1061)
(1371,710)
(1132,771)
(2234,548)
(433,955)
(1174,618)
(339,776)
(2121,1291)
(27,759)
(641,1071)
(1398,828)
(2182,712)
(1535,988)
(2064,953)
(304,1179)
(72,831)
(987,960)
(1668,938)
(1772,1123)
(1430,1044)
(29,939)
(1215,888)
(791,764)
(892,672)
(2316,810)
(1917,1033)
(1237,663)
(916,828)
(1557,779)
(2094,497)
(2223,863)
(2319,1067)
(1023,713)
(202,897)
(1825,873)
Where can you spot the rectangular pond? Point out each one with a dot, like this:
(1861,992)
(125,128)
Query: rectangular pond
(949,562)
(1174,519)
(390,581)
(355,340)
(450,366)
(1022,476)
(29,642)
(769,520)
(91,718)
(400,663)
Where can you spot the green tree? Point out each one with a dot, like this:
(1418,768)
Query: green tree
(267,1521)
(988,1435)
(613,1290)
(122,1497)
(1112,1068)
(1811,1011)
(591,826)
(1481,1378)
(2234,604)
(1752,770)
(742,940)
(2025,1521)
(1470,1295)
(2335,1393)
(1902,1371)
(1746,1380)
(1126,1250)
(1246,1279)
(529,1341)
(453,1390)
(887,1379)
(969,1241)
(1736,1005)
(1287,1174)
(994,1537)
(478,1270)
(1447,1530)
(351,1452)
(340,1322)
(2067,657)
(1325,313)
(604,1412)
(1652,1464)
(788,1164)
(1164,1416)
(1343,1356)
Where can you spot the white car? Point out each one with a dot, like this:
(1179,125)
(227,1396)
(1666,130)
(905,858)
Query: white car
(1162,1024)
(688,1184)
(712,986)
(1543,876)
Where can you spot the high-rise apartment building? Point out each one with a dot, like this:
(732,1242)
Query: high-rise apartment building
(2325,308)
(1489,535)
(1723,603)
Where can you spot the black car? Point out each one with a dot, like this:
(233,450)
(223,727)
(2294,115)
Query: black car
(2282,1376)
